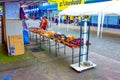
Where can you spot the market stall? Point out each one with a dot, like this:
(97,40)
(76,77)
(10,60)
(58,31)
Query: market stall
(99,9)
(96,9)
(58,39)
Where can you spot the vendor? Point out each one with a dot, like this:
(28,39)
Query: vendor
(23,18)
(44,24)
(24,24)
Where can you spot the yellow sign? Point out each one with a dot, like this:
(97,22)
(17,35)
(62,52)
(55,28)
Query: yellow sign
(64,17)
(115,0)
(71,17)
(52,1)
(63,4)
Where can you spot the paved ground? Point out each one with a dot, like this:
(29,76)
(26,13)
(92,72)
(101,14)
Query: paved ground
(104,52)
(108,45)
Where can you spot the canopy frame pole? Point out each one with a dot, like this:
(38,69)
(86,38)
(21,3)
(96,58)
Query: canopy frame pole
(59,22)
(67,24)
(99,24)
(103,16)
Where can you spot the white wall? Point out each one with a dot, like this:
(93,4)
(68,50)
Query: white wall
(13,23)
(13,27)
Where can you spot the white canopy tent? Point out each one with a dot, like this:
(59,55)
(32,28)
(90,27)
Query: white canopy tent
(86,9)
(112,10)
(100,9)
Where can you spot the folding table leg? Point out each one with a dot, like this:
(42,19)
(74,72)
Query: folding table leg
(64,49)
(72,55)
(55,48)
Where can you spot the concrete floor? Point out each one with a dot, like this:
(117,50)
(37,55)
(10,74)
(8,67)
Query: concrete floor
(103,52)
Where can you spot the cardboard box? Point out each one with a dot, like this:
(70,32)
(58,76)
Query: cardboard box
(16,45)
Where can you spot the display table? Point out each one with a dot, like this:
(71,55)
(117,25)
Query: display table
(66,41)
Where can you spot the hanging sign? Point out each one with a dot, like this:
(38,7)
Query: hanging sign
(53,1)
(63,4)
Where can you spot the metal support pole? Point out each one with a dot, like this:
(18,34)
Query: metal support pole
(64,49)
(40,41)
(72,55)
(33,36)
(58,47)
(83,53)
(85,39)
(36,39)
(49,46)
(55,48)
(30,35)
(99,25)
(88,41)
(80,45)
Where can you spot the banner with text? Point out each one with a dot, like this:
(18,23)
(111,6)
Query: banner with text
(63,4)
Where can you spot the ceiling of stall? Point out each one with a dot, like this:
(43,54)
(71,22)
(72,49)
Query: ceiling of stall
(31,2)
(26,2)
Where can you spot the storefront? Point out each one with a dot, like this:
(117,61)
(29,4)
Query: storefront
(109,22)
(32,10)
(48,9)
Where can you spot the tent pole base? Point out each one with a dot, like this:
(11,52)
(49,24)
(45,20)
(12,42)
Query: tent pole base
(82,67)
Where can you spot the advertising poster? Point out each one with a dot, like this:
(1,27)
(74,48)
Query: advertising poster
(63,4)
(52,1)
(12,10)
